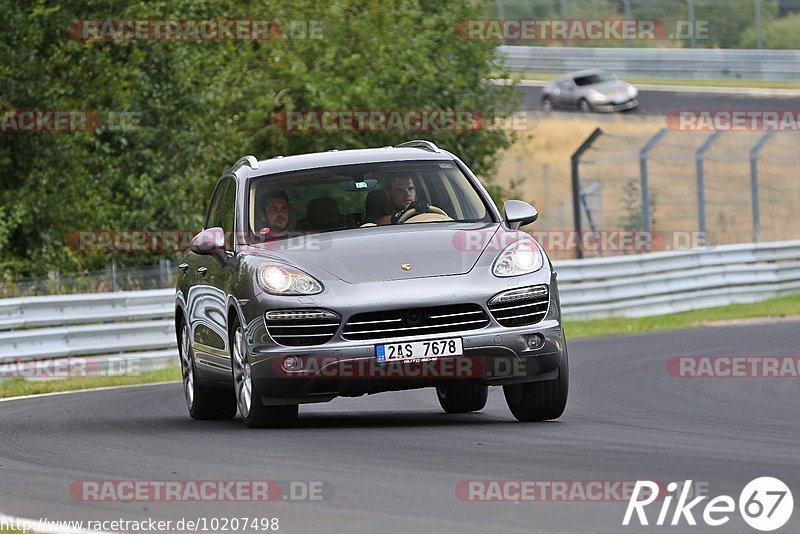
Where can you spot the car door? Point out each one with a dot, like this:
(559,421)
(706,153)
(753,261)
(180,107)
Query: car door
(567,93)
(220,276)
(210,338)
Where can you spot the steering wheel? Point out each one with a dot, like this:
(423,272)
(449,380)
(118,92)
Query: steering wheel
(411,211)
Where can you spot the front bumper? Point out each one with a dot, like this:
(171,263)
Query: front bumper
(493,355)
(608,107)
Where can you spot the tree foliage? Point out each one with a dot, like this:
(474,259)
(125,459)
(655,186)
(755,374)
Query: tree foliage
(204,104)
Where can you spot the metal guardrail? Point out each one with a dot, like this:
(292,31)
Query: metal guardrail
(658,62)
(137,326)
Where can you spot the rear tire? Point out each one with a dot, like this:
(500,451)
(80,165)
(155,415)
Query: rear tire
(203,403)
(247,397)
(547,104)
(462,398)
(540,401)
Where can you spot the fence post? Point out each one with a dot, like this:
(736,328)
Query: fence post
(576,185)
(701,187)
(754,194)
(644,153)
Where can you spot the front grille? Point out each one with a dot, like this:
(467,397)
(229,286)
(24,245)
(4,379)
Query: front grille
(301,328)
(520,307)
(415,322)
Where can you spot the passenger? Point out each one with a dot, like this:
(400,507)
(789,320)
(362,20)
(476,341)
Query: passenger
(402,192)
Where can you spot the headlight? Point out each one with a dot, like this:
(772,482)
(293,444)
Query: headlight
(280,279)
(596,95)
(632,91)
(522,257)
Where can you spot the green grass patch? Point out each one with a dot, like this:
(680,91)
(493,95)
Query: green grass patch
(778,307)
(19,386)
(688,82)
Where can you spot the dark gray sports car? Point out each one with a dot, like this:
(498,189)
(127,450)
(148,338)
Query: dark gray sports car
(363,271)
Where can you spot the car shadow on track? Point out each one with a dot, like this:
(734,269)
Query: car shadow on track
(368,420)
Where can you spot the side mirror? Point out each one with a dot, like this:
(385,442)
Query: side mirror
(518,213)
(210,241)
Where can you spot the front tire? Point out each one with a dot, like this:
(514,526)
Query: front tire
(462,398)
(540,401)
(248,400)
(203,403)
(584,106)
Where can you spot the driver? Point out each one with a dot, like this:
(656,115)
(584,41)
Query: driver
(276,213)
(402,192)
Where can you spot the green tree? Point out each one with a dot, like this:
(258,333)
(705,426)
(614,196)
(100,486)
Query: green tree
(204,104)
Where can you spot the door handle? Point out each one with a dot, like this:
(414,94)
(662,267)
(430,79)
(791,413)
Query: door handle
(202,271)
(183,267)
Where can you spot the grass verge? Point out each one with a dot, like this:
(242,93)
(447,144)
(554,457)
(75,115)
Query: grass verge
(19,386)
(788,306)
(683,82)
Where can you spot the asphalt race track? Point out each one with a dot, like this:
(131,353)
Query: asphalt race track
(391,462)
(662,102)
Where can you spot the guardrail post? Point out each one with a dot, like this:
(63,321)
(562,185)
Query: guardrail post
(576,185)
(754,194)
(644,153)
(114,276)
(701,187)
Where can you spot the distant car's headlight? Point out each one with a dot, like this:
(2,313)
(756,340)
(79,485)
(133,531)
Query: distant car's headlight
(632,91)
(280,279)
(596,96)
(522,257)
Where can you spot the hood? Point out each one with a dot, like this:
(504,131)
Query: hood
(611,90)
(375,254)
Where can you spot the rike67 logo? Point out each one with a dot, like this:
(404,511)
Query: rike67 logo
(765,504)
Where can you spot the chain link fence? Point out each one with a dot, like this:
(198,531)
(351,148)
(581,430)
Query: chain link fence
(111,279)
(713,188)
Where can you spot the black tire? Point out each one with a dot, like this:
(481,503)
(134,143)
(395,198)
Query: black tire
(257,415)
(584,106)
(547,104)
(203,403)
(540,401)
(462,398)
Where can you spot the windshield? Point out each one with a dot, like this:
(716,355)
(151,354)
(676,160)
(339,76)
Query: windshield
(348,197)
(592,79)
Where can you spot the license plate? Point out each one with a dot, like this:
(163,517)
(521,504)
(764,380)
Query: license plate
(419,350)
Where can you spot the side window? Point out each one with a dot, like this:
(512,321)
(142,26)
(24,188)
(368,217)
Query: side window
(227,214)
(212,216)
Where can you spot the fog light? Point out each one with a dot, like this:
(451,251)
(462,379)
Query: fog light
(292,363)
(536,342)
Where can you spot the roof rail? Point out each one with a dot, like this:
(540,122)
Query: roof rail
(250,161)
(420,143)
